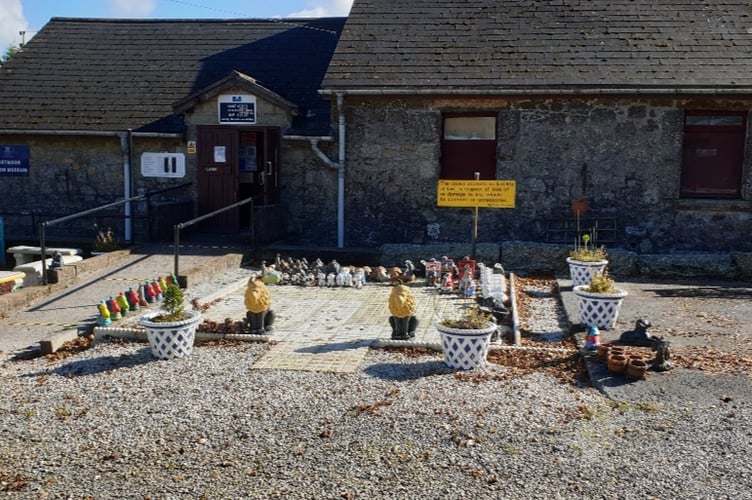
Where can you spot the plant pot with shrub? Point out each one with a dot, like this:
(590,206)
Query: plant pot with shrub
(465,339)
(586,261)
(600,301)
(171,330)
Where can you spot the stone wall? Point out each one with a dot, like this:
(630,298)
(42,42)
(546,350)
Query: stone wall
(623,155)
(69,174)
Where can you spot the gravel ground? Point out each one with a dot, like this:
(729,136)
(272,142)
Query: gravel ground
(110,422)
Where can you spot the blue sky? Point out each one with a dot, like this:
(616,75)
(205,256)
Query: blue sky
(31,15)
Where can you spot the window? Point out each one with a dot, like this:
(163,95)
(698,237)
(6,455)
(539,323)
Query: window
(713,154)
(468,145)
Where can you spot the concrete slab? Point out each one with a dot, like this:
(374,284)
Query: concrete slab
(24,254)
(33,270)
(52,344)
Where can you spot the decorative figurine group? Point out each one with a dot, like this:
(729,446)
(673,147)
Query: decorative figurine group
(114,308)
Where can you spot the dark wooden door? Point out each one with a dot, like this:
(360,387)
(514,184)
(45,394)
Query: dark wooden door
(218,176)
(712,164)
(713,154)
(271,166)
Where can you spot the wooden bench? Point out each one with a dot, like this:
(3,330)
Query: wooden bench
(24,254)
(33,270)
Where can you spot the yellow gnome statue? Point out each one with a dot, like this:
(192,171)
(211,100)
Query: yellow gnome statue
(257,302)
(402,307)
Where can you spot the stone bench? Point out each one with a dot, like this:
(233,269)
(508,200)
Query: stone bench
(10,281)
(24,254)
(33,270)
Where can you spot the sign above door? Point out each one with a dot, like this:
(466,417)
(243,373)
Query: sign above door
(237,109)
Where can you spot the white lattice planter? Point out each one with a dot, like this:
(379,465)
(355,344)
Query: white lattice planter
(465,349)
(599,309)
(171,339)
(581,271)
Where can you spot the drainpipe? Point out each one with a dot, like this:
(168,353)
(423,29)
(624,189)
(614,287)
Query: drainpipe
(126,143)
(341,174)
(340,167)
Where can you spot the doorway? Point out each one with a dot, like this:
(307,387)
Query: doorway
(235,164)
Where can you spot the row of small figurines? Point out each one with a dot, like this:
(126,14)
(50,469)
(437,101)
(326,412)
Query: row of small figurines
(147,293)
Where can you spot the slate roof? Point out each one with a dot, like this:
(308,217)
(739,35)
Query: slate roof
(105,75)
(541,45)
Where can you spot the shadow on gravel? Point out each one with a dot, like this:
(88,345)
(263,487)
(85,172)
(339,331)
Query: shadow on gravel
(403,372)
(79,368)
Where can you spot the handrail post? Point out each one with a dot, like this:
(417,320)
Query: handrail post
(176,244)
(253,226)
(42,246)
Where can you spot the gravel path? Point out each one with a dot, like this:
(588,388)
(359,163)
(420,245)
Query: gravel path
(110,422)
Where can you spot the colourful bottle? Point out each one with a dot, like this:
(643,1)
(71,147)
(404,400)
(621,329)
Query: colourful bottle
(132,297)
(142,296)
(104,314)
(122,302)
(114,308)
(149,294)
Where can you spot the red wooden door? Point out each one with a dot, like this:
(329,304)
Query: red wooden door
(218,176)
(713,154)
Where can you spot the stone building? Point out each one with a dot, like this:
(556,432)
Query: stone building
(639,109)
(196,114)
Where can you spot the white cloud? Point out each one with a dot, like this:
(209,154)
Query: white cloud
(12,21)
(132,8)
(328,8)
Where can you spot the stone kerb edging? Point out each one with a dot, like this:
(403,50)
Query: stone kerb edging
(139,334)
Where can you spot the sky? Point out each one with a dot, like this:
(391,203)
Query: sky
(31,15)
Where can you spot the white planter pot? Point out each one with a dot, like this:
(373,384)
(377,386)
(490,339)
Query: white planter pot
(465,349)
(171,339)
(599,309)
(581,271)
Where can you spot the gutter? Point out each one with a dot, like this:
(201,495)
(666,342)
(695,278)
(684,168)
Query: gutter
(92,133)
(673,91)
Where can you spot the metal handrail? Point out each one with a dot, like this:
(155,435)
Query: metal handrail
(43,225)
(178,227)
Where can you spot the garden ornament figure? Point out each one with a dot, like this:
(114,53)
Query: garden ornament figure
(258,301)
(57,260)
(638,336)
(661,363)
(402,307)
(593,339)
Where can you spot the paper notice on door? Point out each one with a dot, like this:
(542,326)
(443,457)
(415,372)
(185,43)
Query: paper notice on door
(220,155)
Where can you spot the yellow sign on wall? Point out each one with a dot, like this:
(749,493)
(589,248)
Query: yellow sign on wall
(470,194)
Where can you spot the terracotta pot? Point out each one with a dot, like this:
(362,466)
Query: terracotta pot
(636,369)
(617,363)
(603,350)
(634,356)
(616,350)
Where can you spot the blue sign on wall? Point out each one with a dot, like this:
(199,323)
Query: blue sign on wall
(14,160)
